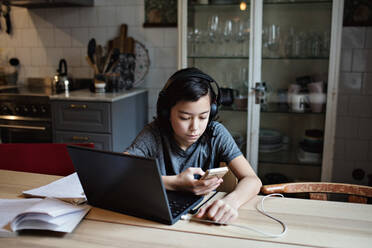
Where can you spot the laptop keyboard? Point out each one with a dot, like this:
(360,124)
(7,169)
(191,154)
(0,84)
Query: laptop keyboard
(179,202)
(177,207)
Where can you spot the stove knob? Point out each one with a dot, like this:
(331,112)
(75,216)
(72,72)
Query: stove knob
(25,109)
(4,109)
(17,109)
(34,109)
(43,109)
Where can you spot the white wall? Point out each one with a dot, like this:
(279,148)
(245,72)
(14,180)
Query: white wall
(353,144)
(41,37)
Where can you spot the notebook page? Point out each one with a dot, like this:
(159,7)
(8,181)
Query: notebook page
(67,188)
(10,208)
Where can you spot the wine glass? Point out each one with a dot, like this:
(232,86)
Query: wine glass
(227,36)
(213,24)
(242,34)
(273,40)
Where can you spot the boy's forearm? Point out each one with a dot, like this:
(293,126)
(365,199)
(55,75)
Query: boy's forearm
(246,189)
(169,182)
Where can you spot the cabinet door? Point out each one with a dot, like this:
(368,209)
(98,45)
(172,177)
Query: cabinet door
(101,141)
(87,116)
(277,69)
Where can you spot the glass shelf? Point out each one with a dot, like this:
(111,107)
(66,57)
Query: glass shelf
(283,157)
(272,108)
(265,2)
(275,108)
(264,58)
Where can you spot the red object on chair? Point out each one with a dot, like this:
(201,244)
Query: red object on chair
(43,158)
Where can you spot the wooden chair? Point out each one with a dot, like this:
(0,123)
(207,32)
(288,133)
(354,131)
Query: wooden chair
(321,190)
(43,158)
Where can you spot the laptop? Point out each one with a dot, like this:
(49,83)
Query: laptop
(128,184)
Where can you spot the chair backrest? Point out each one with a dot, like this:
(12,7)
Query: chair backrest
(43,158)
(320,190)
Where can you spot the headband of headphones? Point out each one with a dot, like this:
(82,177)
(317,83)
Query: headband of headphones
(187,73)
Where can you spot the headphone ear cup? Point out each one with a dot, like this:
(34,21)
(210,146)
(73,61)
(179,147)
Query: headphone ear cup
(213,112)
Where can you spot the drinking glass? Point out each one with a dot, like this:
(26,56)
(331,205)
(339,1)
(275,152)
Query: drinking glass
(273,40)
(242,34)
(213,25)
(227,36)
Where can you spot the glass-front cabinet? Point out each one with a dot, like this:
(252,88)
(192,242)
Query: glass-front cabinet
(276,63)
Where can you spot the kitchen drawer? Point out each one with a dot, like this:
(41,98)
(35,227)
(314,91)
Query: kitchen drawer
(101,141)
(77,116)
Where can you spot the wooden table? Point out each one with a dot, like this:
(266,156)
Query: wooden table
(310,224)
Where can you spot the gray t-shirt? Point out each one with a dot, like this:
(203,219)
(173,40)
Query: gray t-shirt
(152,141)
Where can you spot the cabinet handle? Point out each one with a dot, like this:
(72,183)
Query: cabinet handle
(77,106)
(84,138)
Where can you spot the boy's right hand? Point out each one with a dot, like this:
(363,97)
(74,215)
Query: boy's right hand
(187,182)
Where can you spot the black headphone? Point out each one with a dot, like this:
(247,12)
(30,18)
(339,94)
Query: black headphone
(162,106)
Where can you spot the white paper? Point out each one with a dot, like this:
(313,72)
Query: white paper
(10,208)
(67,188)
(44,214)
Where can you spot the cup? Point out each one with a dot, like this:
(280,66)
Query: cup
(315,87)
(293,89)
(299,102)
(317,101)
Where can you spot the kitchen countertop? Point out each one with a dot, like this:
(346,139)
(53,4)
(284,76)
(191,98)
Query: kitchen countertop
(87,95)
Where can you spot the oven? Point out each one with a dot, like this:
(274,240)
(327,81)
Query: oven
(25,119)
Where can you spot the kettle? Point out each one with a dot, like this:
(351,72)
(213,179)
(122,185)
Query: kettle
(61,82)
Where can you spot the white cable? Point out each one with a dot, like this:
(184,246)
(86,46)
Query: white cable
(262,211)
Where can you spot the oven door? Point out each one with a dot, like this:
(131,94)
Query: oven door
(25,130)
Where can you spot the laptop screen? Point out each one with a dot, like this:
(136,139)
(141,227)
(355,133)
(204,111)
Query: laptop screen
(123,183)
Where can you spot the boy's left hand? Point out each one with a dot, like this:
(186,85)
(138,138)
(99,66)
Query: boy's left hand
(219,211)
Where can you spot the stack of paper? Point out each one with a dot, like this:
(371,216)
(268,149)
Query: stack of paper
(67,189)
(43,214)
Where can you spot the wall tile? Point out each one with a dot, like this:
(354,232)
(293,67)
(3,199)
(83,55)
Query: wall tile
(361,106)
(80,37)
(346,127)
(53,56)
(20,18)
(364,128)
(368,43)
(367,84)
(356,150)
(342,172)
(339,152)
(171,37)
(343,104)
(71,17)
(99,34)
(126,14)
(38,18)
(72,56)
(38,57)
(153,96)
(62,37)
(370,151)
(353,37)
(24,56)
(139,15)
(88,17)
(29,38)
(46,37)
(47,71)
(346,59)
(366,166)
(81,72)
(350,83)
(151,114)
(362,60)
(166,57)
(32,71)
(106,16)
(154,37)
(155,79)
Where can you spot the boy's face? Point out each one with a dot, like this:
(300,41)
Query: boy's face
(189,120)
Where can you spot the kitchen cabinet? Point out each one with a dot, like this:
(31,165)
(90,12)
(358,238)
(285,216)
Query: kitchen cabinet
(111,121)
(281,60)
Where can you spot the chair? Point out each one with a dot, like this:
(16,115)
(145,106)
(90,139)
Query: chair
(321,190)
(43,158)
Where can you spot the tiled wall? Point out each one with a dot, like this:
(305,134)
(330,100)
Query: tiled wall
(353,144)
(42,37)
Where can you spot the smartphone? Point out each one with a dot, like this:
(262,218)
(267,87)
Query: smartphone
(216,172)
